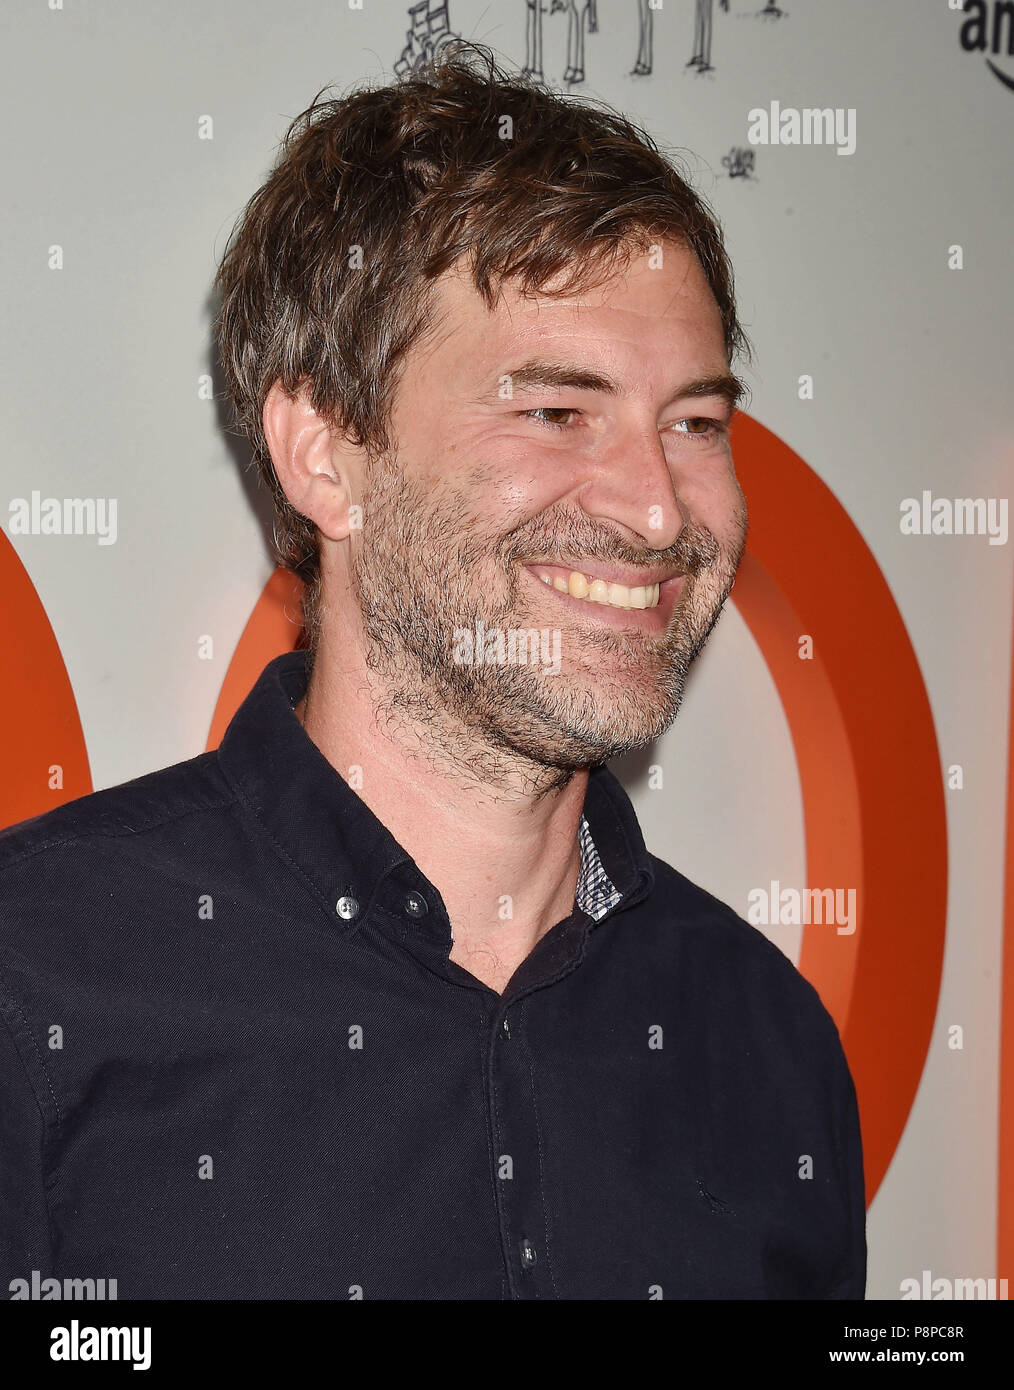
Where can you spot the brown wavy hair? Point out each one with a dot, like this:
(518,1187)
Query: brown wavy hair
(326,278)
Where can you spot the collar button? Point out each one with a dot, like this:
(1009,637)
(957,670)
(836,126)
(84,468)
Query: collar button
(416,905)
(347,908)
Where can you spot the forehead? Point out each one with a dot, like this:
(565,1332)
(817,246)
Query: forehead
(656,306)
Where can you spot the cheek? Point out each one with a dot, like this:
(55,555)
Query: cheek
(714,497)
(516,498)
(520,483)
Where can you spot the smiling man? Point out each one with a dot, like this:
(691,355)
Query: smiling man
(385,998)
(543,473)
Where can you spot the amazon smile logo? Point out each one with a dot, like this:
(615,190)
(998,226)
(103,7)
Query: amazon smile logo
(989,28)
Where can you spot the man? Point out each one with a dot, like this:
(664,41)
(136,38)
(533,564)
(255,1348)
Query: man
(385,998)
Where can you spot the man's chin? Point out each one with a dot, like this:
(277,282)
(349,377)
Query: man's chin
(579,749)
(585,723)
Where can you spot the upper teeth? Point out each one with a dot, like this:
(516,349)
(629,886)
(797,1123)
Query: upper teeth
(598,591)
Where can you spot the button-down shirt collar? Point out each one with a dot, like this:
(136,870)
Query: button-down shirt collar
(336,843)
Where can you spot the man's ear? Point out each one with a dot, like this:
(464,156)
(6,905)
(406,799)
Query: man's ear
(311,471)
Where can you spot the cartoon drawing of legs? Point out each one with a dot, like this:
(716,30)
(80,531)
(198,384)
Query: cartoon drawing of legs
(578,13)
(702,36)
(701,59)
(533,39)
(644,35)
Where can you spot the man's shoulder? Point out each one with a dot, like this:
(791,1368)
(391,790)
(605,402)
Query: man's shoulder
(738,962)
(144,805)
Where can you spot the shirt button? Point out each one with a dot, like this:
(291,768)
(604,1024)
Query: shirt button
(347,908)
(527,1254)
(416,905)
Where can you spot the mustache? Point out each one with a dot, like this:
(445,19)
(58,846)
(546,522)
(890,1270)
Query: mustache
(694,550)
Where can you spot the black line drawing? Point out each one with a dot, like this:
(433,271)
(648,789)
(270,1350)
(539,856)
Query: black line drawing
(429,31)
(701,59)
(642,66)
(703,17)
(534,10)
(582,16)
(739,162)
(578,14)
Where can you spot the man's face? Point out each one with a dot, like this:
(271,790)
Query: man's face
(548,440)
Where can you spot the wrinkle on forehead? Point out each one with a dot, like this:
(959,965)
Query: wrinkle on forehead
(609,317)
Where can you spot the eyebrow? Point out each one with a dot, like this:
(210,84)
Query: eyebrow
(568,376)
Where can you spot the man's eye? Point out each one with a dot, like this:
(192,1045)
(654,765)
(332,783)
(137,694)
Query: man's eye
(545,414)
(697,427)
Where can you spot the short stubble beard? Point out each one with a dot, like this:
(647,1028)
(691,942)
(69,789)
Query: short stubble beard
(425,566)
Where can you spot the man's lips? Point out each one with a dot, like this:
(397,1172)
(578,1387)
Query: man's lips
(609,572)
(648,619)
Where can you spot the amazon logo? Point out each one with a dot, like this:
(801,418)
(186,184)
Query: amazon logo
(989,29)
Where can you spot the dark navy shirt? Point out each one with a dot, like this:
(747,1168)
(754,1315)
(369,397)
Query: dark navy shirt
(237,1062)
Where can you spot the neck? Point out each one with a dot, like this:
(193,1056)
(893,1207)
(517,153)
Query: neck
(496,836)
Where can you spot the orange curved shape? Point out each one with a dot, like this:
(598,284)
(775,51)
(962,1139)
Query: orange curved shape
(273,627)
(869,767)
(37,706)
(873,793)
(824,756)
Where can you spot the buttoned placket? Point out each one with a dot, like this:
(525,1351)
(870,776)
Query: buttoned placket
(514,1125)
(524,1207)
(512,1113)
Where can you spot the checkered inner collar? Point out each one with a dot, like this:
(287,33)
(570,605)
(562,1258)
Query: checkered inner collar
(596,893)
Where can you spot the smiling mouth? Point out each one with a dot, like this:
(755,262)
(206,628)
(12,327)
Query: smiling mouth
(592,589)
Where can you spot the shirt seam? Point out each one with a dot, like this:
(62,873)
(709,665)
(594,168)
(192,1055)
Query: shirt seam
(538,1134)
(487,1045)
(502,1206)
(47,1125)
(242,800)
(616,807)
(16,1007)
(110,832)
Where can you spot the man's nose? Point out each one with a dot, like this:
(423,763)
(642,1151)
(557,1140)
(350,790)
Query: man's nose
(631,482)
